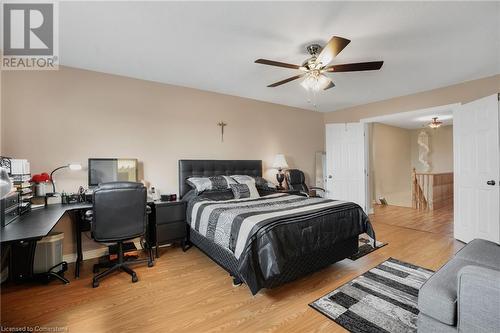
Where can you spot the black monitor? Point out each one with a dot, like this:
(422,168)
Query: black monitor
(104,170)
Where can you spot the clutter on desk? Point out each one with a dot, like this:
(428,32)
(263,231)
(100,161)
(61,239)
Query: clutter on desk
(9,208)
(20,176)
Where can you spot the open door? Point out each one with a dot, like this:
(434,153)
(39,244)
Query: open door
(345,163)
(477,175)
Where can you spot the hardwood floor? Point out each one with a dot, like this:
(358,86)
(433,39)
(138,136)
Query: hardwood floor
(438,221)
(187,292)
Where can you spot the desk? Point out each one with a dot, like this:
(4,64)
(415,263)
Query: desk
(33,226)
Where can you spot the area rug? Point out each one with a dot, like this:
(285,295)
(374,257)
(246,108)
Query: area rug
(384,299)
(366,247)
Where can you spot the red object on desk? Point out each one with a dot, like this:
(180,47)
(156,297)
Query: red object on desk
(40,178)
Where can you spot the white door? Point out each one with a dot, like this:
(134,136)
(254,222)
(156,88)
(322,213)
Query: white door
(345,163)
(477,176)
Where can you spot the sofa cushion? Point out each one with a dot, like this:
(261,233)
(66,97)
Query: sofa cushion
(482,252)
(437,298)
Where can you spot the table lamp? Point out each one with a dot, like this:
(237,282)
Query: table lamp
(72,166)
(280,164)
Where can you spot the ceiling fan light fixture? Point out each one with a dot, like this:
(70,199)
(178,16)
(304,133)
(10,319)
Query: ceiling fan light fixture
(435,123)
(315,81)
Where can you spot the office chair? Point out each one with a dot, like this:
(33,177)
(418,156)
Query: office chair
(119,213)
(296,181)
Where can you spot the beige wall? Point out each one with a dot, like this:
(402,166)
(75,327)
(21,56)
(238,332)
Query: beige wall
(390,164)
(70,115)
(463,92)
(441,149)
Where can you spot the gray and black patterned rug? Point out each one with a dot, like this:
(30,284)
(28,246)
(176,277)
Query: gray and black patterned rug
(384,299)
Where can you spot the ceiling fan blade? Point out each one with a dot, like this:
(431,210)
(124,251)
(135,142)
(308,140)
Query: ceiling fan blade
(330,85)
(279,83)
(276,63)
(355,67)
(330,51)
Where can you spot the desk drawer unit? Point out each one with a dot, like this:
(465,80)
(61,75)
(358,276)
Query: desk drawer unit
(169,220)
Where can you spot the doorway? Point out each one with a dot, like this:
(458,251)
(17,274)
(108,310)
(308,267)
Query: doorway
(410,169)
(468,188)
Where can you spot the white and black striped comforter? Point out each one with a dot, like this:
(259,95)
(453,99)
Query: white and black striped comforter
(233,224)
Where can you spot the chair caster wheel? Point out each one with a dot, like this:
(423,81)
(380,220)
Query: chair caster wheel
(151,263)
(95,284)
(134,278)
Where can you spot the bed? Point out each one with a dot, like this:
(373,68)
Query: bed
(268,241)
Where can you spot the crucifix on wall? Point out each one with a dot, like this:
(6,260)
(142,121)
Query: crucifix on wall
(222,124)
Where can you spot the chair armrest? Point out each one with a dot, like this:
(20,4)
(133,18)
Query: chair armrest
(478,298)
(148,210)
(89,215)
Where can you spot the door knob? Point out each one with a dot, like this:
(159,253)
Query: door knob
(490,182)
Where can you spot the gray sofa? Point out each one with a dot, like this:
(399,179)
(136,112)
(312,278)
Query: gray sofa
(464,295)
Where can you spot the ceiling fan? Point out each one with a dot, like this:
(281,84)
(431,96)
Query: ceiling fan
(314,68)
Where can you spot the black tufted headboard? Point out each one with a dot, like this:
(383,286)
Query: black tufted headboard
(208,168)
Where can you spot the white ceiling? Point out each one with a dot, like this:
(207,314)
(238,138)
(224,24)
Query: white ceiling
(416,119)
(212,45)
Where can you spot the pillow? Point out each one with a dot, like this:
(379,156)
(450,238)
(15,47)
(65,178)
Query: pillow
(248,190)
(262,183)
(243,179)
(218,195)
(240,191)
(259,182)
(216,183)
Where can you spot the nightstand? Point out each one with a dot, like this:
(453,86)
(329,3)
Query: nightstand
(167,222)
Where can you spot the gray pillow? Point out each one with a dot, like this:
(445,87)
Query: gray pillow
(240,191)
(216,183)
(260,183)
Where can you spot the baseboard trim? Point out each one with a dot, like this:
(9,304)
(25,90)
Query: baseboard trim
(91,254)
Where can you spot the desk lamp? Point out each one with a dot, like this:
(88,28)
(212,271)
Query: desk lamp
(73,166)
(280,164)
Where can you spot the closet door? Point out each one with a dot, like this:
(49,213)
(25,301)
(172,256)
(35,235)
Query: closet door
(477,175)
(345,163)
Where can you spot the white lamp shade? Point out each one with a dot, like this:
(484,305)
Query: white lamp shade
(75,166)
(280,162)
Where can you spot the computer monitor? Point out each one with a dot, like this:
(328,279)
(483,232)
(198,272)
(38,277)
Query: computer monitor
(104,170)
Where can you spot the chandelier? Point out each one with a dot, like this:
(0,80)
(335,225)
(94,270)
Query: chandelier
(435,123)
